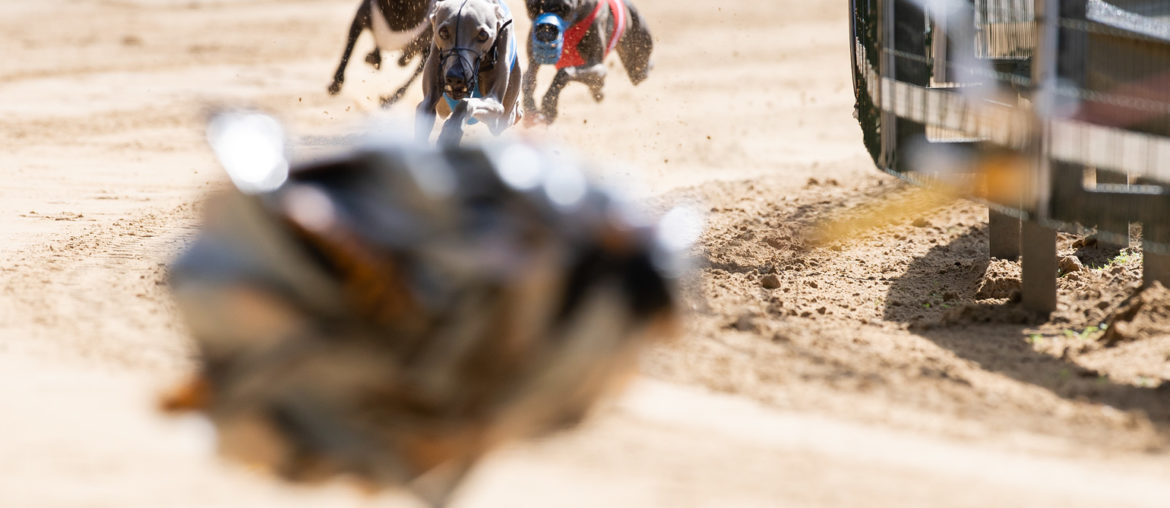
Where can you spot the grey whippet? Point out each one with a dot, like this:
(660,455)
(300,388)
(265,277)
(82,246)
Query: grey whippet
(472,70)
(396,25)
(576,36)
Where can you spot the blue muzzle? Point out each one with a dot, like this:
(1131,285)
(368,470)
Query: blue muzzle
(548,38)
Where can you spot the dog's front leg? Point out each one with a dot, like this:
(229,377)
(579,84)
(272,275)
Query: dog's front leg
(548,107)
(529,84)
(452,132)
(375,58)
(592,76)
(424,120)
(424,117)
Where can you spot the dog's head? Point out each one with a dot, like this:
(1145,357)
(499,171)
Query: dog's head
(563,8)
(465,31)
(550,19)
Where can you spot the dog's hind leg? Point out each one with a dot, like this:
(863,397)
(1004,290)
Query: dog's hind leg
(361,21)
(635,47)
(419,46)
(398,94)
(592,49)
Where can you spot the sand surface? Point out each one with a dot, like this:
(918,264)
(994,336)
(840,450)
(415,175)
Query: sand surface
(868,371)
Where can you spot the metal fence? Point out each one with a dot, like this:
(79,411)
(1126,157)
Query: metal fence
(1074,95)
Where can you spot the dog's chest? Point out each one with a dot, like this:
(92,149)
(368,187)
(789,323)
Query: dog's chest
(388,38)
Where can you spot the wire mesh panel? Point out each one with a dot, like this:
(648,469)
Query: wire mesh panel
(941,77)
(1005,29)
(1110,124)
(1089,140)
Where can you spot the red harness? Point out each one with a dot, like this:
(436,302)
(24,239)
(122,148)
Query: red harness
(571,56)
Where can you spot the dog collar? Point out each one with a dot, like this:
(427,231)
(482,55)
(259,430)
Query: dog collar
(548,52)
(571,54)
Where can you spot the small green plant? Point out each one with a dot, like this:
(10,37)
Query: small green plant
(1125,257)
(1035,339)
(1147,382)
(1086,334)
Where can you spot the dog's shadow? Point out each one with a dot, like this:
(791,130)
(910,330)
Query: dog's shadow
(995,336)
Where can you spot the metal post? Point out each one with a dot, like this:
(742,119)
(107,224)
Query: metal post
(886,63)
(1003,235)
(1155,265)
(1038,244)
(1119,227)
(1038,267)
(909,30)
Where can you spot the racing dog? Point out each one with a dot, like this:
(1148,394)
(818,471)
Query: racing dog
(472,69)
(396,25)
(354,319)
(576,36)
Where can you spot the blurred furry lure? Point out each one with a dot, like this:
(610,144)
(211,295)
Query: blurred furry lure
(393,314)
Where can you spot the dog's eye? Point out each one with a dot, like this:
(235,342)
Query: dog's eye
(444,33)
(483,36)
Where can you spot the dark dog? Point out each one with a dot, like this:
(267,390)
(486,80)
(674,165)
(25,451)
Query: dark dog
(576,36)
(354,319)
(396,25)
(472,69)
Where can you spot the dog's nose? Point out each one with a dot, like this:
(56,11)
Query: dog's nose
(547,33)
(454,79)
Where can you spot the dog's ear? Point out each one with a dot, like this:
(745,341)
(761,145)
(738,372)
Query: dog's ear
(501,17)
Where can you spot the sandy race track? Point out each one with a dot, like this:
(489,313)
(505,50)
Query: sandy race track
(872,371)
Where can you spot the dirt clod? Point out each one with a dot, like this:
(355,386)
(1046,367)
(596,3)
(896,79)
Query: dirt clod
(746,323)
(1144,315)
(1001,280)
(1070,264)
(770,281)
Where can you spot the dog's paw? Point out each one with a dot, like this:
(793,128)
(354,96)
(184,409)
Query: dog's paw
(533,118)
(335,88)
(548,115)
(485,115)
(374,59)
